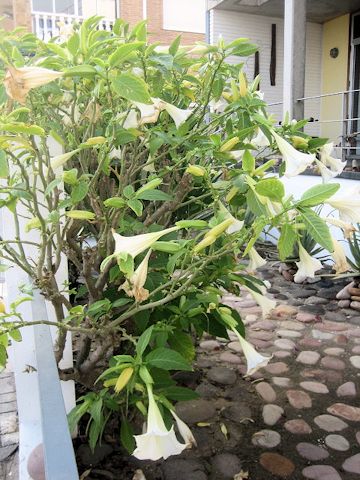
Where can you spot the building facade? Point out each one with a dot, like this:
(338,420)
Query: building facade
(166,18)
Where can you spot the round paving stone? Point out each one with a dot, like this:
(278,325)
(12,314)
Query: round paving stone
(319,335)
(285,344)
(292,325)
(347,389)
(277,464)
(190,469)
(209,345)
(345,411)
(282,354)
(333,363)
(355,361)
(358,437)
(352,464)
(225,466)
(329,423)
(266,438)
(237,412)
(266,392)
(194,411)
(272,414)
(299,399)
(276,368)
(315,387)
(229,357)
(308,357)
(298,427)
(356,349)
(222,375)
(335,351)
(337,442)
(288,333)
(281,381)
(311,452)
(321,472)
(235,346)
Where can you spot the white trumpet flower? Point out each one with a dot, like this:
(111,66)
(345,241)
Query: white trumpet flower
(347,228)
(133,246)
(60,160)
(307,266)
(179,115)
(340,263)
(325,172)
(184,431)
(335,165)
(131,120)
(236,226)
(260,140)
(18,81)
(157,442)
(266,304)
(295,161)
(348,205)
(218,106)
(254,359)
(134,286)
(256,260)
(149,113)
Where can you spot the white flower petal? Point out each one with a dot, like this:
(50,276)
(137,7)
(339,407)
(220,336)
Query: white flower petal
(307,266)
(177,114)
(131,120)
(348,204)
(266,304)
(340,262)
(295,161)
(184,431)
(256,261)
(254,359)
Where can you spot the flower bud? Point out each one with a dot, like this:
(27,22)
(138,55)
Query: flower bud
(195,170)
(227,146)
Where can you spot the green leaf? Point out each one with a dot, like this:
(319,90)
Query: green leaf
(317,228)
(286,242)
(70,176)
(316,142)
(4,167)
(191,224)
(167,360)
(115,202)
(248,162)
(80,71)
(180,393)
(132,87)
(123,52)
(3,356)
(15,335)
(243,50)
(154,183)
(167,247)
(136,206)
(23,128)
(79,191)
(128,191)
(120,302)
(318,194)
(183,343)
(154,195)
(52,185)
(144,340)
(174,47)
(127,436)
(254,203)
(271,188)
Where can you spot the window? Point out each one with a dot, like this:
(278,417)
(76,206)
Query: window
(65,7)
(184,15)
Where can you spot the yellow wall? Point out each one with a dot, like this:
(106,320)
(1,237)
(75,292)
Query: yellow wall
(334,74)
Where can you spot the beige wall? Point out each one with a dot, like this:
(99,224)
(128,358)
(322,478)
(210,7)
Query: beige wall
(16,13)
(334,74)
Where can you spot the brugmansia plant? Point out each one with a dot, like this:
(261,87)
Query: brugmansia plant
(165,183)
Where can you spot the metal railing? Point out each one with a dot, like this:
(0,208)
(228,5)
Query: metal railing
(350,130)
(49,25)
(59,457)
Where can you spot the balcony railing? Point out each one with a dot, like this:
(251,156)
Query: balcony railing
(47,25)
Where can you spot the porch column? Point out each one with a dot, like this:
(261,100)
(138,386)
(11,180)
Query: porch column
(294,57)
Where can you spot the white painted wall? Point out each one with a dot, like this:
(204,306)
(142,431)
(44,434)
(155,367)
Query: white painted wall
(184,15)
(231,25)
(105,8)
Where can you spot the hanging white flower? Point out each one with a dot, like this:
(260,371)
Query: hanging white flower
(254,359)
(157,442)
(131,120)
(260,140)
(347,228)
(295,161)
(266,304)
(307,266)
(134,286)
(256,260)
(218,106)
(340,262)
(184,431)
(137,243)
(177,114)
(348,204)
(236,226)
(335,165)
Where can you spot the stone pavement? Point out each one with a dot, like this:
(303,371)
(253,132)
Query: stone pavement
(308,420)
(9,436)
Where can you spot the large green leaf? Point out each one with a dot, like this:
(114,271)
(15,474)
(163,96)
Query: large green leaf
(127,436)
(318,194)
(144,340)
(167,360)
(180,393)
(154,195)
(286,241)
(182,343)
(79,191)
(271,188)
(123,52)
(132,87)
(317,228)
(254,203)
(80,71)
(4,167)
